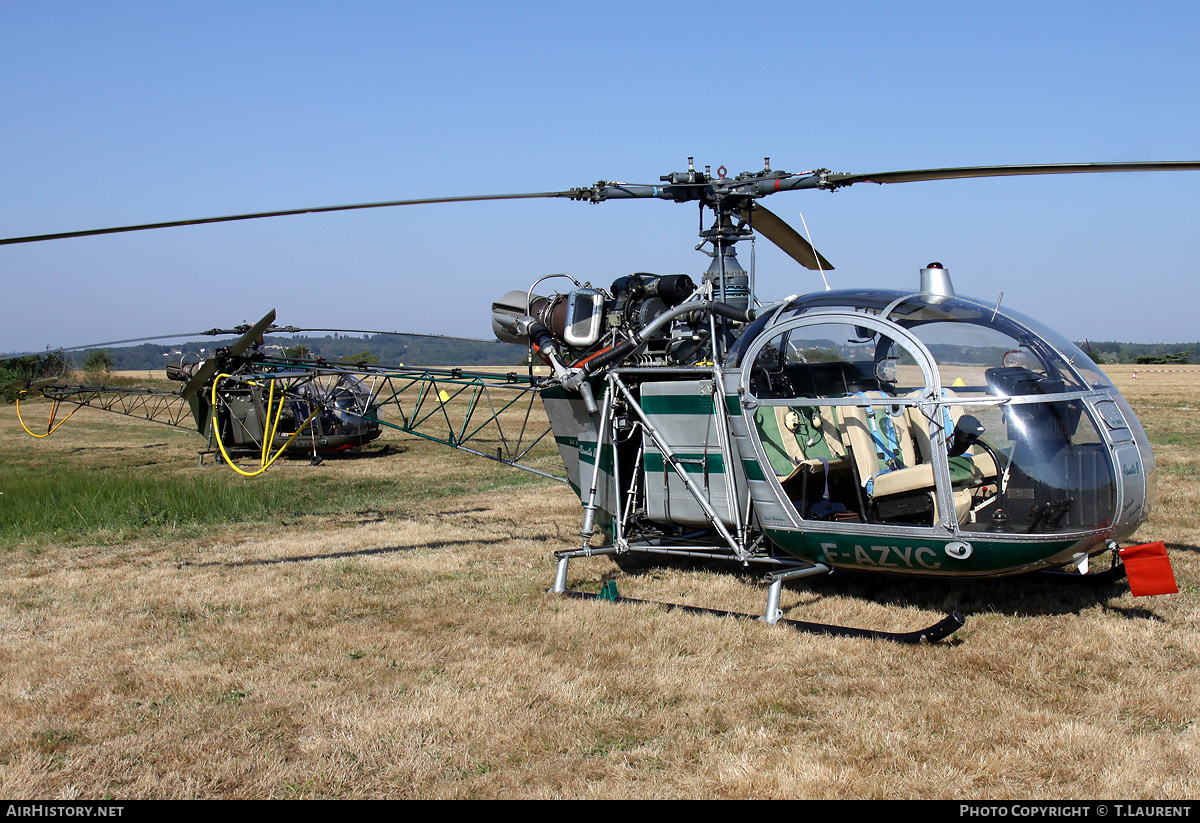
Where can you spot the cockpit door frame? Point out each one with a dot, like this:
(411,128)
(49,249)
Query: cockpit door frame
(930,401)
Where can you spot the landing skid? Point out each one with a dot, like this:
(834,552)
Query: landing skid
(945,627)
(1114,574)
(938,631)
(314,459)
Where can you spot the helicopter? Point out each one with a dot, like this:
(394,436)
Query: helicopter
(907,431)
(251,402)
(322,413)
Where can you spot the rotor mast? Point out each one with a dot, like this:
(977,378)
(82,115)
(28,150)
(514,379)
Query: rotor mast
(728,198)
(728,280)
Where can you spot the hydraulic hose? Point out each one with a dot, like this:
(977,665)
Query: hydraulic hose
(269,430)
(51,427)
(620,352)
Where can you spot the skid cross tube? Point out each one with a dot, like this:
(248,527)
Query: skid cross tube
(940,630)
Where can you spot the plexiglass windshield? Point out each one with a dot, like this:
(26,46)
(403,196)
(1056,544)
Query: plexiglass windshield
(847,420)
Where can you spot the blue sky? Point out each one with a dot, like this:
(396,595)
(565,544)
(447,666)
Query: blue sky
(124,112)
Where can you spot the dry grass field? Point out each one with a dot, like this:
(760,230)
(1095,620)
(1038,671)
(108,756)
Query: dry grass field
(382,630)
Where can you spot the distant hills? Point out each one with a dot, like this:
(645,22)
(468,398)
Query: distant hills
(411,350)
(384,349)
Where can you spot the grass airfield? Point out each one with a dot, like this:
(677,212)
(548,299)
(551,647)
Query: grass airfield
(379,627)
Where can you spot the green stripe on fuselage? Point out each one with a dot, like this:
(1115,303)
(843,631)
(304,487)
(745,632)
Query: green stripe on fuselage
(753,470)
(587,452)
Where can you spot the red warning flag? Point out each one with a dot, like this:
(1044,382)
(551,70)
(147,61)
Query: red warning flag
(1148,569)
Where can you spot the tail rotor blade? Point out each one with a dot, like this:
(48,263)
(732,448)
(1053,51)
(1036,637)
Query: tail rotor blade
(203,374)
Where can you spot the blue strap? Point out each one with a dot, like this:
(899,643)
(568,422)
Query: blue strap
(887,443)
(947,423)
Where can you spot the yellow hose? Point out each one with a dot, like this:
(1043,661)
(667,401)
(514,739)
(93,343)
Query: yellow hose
(50,427)
(269,430)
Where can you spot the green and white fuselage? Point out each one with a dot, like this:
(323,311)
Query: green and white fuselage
(888,431)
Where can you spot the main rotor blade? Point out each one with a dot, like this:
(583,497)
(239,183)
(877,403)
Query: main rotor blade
(209,367)
(836,180)
(775,228)
(35,238)
(109,343)
(254,335)
(297,330)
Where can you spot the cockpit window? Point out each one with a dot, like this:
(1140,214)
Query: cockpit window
(995,357)
(1092,374)
(851,433)
(833,360)
(987,335)
(834,411)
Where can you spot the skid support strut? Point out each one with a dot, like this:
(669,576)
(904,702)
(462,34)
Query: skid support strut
(773,612)
(564,559)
